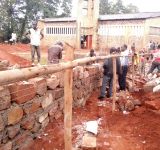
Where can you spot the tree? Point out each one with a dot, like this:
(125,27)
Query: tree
(17,15)
(108,7)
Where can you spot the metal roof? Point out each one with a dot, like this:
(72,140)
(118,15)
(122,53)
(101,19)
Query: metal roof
(134,16)
(141,15)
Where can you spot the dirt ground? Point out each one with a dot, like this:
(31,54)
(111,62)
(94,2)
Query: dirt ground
(138,130)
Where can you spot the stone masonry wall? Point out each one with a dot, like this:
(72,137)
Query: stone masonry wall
(27,107)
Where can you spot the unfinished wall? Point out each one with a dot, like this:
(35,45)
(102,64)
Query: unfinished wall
(27,107)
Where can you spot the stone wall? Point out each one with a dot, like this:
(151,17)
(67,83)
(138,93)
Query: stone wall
(27,107)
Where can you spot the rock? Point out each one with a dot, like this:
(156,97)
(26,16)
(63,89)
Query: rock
(53,82)
(156,88)
(155,105)
(7,146)
(22,92)
(48,100)
(61,103)
(89,142)
(2,125)
(36,127)
(58,114)
(15,114)
(53,109)
(32,107)
(137,102)
(40,85)
(5,98)
(28,123)
(59,92)
(129,106)
(42,117)
(27,145)
(13,131)
(45,122)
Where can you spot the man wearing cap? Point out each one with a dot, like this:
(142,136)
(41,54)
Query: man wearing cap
(55,53)
(35,36)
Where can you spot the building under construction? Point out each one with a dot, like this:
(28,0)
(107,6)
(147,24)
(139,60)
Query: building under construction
(56,106)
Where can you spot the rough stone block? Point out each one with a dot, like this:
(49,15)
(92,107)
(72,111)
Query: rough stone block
(89,142)
(13,131)
(32,107)
(45,122)
(36,127)
(7,146)
(48,100)
(58,114)
(54,108)
(22,92)
(21,138)
(91,70)
(5,98)
(27,144)
(15,114)
(53,82)
(155,105)
(2,125)
(59,92)
(40,85)
(28,123)
(42,117)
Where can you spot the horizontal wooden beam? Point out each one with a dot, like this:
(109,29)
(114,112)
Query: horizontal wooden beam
(11,76)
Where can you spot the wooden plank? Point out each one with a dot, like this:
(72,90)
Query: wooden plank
(68,83)
(114,84)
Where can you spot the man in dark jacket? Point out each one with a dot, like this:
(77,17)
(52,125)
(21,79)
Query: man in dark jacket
(108,75)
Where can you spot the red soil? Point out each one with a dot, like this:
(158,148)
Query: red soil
(139,130)
(7,50)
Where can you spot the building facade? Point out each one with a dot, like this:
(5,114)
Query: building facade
(111,30)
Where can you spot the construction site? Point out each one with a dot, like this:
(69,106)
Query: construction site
(56,106)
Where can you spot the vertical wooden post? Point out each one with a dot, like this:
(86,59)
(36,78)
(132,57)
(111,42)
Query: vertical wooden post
(114,84)
(133,72)
(68,82)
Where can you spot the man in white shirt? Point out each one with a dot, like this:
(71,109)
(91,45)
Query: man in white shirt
(35,36)
(124,64)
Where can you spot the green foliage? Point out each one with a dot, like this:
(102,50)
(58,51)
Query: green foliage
(108,7)
(17,15)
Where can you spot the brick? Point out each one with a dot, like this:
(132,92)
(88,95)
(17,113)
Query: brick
(15,114)
(7,146)
(5,98)
(45,122)
(52,83)
(48,100)
(59,92)
(2,125)
(13,131)
(40,85)
(155,105)
(28,123)
(54,108)
(32,107)
(22,92)
(42,117)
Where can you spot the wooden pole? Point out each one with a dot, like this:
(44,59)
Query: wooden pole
(68,82)
(114,84)
(133,72)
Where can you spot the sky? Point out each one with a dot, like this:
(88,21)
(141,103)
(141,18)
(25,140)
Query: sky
(143,5)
